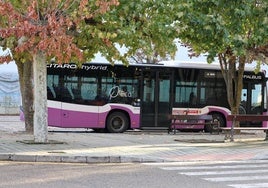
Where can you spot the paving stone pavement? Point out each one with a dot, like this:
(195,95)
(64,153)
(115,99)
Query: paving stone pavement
(85,146)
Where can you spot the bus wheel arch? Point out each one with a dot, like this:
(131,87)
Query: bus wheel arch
(217,116)
(117,121)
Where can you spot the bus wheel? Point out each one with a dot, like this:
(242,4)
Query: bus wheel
(117,122)
(216,117)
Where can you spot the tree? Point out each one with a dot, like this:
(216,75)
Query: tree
(233,31)
(144,28)
(141,24)
(66,30)
(40,30)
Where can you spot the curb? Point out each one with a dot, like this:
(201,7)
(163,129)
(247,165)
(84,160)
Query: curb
(75,159)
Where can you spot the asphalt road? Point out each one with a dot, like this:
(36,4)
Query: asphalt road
(236,174)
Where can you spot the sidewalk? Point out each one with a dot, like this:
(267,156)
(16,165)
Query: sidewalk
(79,145)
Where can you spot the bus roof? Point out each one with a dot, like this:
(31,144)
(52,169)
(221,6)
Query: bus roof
(181,64)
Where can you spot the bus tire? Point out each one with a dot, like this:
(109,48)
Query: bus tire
(216,117)
(117,122)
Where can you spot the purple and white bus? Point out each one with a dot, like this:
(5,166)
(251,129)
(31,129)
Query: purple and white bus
(116,98)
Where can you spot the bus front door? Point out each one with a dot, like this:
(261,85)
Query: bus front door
(252,101)
(155,106)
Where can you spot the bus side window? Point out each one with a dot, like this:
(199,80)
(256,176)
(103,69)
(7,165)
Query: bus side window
(67,97)
(58,94)
(49,94)
(77,95)
(192,99)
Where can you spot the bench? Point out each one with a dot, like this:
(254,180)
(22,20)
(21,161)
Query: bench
(192,120)
(243,118)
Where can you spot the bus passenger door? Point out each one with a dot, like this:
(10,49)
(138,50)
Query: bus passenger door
(155,99)
(251,99)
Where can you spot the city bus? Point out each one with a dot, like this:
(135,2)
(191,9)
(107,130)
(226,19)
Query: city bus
(116,98)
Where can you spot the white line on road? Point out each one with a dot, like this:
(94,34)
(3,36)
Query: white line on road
(255,185)
(223,172)
(214,167)
(236,178)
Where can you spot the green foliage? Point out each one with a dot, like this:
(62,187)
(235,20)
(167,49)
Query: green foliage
(213,26)
(62,28)
(134,25)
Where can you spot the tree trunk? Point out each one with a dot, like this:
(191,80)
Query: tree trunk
(40,97)
(232,86)
(233,77)
(26,89)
